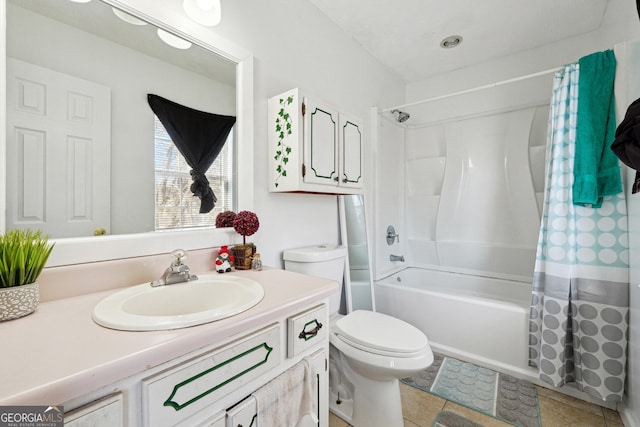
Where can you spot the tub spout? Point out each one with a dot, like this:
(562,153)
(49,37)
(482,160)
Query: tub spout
(396,258)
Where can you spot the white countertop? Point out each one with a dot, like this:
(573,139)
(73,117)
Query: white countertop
(59,353)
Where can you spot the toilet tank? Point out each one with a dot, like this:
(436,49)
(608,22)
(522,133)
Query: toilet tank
(326,261)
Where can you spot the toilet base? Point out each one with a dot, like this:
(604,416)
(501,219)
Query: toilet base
(374,413)
(372,403)
(377,404)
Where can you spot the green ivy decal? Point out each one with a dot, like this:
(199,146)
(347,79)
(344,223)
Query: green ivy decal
(283,129)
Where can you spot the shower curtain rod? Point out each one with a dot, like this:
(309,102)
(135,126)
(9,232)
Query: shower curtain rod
(488,86)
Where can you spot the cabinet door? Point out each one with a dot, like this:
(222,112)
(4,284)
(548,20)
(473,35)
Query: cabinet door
(350,152)
(245,414)
(320,143)
(106,412)
(319,359)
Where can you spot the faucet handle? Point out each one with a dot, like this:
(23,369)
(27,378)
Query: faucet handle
(179,255)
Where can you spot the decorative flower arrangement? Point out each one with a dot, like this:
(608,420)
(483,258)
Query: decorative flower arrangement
(225,219)
(246,224)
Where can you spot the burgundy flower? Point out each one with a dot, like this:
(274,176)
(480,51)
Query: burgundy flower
(246,224)
(225,219)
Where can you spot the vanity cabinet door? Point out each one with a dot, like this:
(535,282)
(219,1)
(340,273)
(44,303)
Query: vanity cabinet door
(320,363)
(106,412)
(219,420)
(244,414)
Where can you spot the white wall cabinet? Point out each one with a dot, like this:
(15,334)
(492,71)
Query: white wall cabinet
(313,147)
(213,386)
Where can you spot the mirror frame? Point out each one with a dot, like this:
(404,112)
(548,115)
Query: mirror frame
(79,250)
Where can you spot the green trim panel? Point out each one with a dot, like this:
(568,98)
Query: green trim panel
(353,180)
(180,405)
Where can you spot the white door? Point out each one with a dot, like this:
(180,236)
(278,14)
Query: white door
(58,152)
(320,143)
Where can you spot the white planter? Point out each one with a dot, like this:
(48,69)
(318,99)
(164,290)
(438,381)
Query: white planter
(18,301)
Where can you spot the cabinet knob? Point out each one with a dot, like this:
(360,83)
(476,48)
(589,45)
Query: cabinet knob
(335,179)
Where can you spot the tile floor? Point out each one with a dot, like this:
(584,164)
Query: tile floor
(556,410)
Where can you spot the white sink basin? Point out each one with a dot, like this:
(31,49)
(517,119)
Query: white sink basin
(146,308)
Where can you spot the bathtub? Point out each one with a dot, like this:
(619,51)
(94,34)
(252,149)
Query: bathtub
(478,319)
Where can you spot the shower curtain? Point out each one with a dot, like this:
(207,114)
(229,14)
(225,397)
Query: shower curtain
(579,306)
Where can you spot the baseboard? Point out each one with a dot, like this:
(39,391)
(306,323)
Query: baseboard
(628,417)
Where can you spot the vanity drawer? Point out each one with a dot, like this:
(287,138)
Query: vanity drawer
(175,394)
(306,330)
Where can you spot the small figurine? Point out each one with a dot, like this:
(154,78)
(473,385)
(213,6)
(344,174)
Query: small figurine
(224,260)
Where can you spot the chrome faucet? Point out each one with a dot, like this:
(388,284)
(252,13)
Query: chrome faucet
(178,271)
(396,258)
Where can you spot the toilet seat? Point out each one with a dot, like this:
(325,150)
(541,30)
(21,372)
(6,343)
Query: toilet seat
(380,334)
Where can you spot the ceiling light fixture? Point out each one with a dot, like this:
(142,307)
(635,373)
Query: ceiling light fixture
(204,12)
(130,19)
(172,40)
(80,1)
(451,42)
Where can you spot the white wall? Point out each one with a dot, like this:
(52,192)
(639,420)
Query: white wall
(296,46)
(131,75)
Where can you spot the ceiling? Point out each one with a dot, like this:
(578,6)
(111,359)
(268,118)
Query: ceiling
(406,34)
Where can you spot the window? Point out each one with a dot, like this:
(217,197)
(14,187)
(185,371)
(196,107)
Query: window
(176,206)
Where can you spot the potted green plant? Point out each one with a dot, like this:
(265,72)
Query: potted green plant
(245,223)
(23,255)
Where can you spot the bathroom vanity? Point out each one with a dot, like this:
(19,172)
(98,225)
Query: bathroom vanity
(197,376)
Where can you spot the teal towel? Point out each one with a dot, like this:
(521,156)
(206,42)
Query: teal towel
(596,169)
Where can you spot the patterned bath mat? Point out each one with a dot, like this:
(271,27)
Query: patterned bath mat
(498,395)
(451,419)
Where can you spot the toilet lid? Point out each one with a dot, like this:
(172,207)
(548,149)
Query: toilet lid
(379,333)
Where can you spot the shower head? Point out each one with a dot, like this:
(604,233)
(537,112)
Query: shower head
(401,116)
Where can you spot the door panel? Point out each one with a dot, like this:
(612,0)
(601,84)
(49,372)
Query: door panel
(58,151)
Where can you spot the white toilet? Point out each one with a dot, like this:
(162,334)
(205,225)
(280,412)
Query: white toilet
(369,351)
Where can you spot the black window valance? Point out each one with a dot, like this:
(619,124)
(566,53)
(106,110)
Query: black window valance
(199,136)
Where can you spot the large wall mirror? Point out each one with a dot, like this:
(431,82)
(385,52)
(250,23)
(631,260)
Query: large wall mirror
(115,51)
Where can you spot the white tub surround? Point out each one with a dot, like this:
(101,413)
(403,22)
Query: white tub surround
(60,356)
